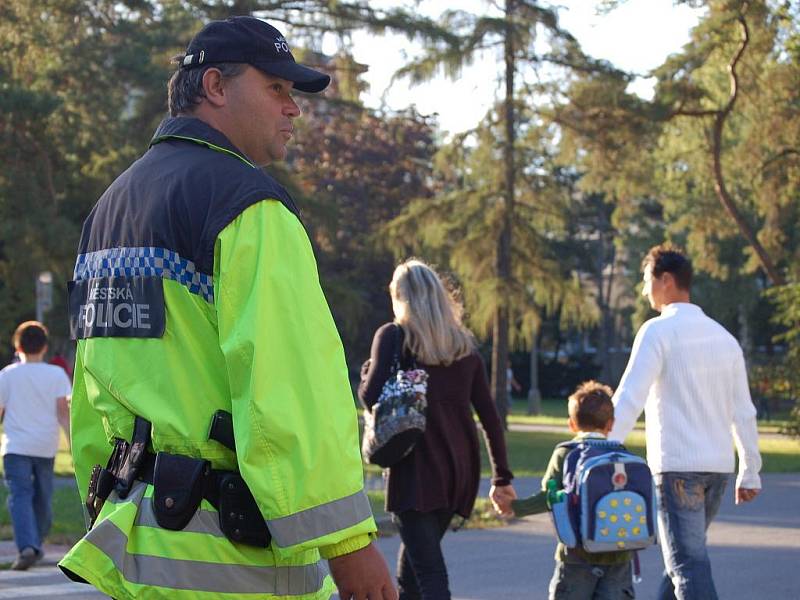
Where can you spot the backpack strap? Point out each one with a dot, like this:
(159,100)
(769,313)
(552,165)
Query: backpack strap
(602,443)
(571,444)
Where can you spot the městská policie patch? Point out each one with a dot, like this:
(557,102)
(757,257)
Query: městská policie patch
(117,307)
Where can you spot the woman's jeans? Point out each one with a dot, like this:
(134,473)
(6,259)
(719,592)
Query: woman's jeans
(687,503)
(29,480)
(421,571)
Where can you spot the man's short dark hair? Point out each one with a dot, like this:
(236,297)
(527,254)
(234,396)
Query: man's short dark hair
(590,406)
(30,337)
(185,88)
(666,258)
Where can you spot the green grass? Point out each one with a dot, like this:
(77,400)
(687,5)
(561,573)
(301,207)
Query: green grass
(554,412)
(529,452)
(68,526)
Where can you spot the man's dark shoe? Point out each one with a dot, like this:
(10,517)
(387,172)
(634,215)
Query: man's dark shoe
(26,558)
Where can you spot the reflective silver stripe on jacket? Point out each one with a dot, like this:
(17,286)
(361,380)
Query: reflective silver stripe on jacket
(320,520)
(203,521)
(200,576)
(286,531)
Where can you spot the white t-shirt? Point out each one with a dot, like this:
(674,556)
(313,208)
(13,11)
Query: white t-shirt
(28,393)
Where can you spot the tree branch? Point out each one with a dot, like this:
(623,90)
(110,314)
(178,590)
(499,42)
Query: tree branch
(720,117)
(719,180)
(782,154)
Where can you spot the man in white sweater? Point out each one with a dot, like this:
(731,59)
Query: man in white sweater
(688,374)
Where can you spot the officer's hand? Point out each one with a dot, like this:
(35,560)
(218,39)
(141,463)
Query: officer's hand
(362,575)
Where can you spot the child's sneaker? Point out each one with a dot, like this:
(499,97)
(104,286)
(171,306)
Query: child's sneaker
(26,559)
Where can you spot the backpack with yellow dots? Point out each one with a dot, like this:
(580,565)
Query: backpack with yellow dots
(608,500)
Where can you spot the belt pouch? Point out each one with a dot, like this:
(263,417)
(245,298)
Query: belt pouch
(177,489)
(239,516)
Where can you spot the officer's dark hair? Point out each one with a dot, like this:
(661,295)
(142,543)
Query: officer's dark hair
(590,406)
(30,337)
(185,88)
(666,258)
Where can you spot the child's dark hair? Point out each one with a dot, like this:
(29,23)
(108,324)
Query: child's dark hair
(590,406)
(30,337)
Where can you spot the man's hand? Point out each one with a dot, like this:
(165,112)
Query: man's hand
(501,497)
(746,494)
(362,575)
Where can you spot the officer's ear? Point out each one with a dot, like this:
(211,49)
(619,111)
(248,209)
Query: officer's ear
(214,87)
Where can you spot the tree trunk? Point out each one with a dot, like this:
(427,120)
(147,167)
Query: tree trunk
(606,312)
(534,395)
(744,332)
(730,206)
(503,253)
(500,364)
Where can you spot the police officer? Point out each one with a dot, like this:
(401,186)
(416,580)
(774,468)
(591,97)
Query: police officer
(197,307)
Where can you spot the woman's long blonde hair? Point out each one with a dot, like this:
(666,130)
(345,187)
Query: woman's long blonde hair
(429,315)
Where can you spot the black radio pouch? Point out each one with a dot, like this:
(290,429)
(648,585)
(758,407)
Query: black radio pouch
(239,516)
(177,488)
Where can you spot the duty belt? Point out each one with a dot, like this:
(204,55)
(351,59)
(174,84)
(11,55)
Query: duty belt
(179,483)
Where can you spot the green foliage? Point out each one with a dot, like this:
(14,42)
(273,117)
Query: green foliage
(781,379)
(356,170)
(663,149)
(81,88)
(504,224)
(469,189)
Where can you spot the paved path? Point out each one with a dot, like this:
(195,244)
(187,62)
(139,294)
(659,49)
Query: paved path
(755,550)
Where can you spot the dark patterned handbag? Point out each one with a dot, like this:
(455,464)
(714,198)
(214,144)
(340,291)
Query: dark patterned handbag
(397,420)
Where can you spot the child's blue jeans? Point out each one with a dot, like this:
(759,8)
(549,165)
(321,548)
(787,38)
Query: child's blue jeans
(30,488)
(582,581)
(687,503)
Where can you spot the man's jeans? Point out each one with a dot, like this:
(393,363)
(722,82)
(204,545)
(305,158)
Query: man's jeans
(421,570)
(29,480)
(687,503)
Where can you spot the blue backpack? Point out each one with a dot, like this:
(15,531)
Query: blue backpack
(608,500)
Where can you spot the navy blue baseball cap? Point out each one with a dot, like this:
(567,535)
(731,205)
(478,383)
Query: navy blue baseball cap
(255,42)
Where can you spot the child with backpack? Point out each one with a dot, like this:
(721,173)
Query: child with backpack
(602,500)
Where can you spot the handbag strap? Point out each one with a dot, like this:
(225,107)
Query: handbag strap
(398,348)
(397,361)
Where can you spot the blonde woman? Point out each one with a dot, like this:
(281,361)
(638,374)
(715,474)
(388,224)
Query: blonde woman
(440,477)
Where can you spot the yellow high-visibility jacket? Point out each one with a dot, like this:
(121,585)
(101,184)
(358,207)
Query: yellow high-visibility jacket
(195,290)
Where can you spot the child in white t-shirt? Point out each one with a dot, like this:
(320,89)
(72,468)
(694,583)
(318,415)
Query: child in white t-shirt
(33,403)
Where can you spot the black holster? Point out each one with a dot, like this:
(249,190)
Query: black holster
(125,464)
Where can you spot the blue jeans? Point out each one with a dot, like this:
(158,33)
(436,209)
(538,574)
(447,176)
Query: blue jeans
(29,480)
(421,570)
(687,503)
(583,581)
